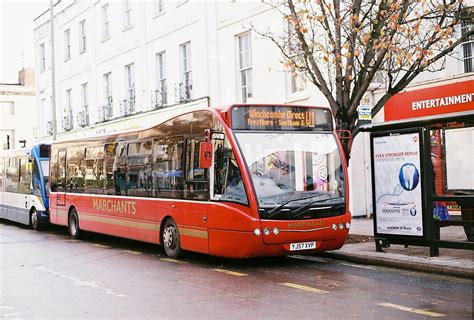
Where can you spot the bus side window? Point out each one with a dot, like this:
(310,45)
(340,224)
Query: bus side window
(197,184)
(75,169)
(94,170)
(24,181)
(109,164)
(119,170)
(139,175)
(54,172)
(228,184)
(167,168)
(61,175)
(36,179)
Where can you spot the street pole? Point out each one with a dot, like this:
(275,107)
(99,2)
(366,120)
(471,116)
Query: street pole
(53,77)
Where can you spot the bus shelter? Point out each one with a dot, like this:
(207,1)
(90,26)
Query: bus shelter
(423,180)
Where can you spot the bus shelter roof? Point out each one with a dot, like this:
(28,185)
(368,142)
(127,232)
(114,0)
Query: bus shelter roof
(418,122)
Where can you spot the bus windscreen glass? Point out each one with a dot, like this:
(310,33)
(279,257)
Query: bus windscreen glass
(292,165)
(281,118)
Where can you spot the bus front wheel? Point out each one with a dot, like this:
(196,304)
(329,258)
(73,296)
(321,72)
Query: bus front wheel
(170,239)
(74,230)
(34,222)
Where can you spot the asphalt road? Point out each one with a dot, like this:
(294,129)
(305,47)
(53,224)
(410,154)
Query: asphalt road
(46,274)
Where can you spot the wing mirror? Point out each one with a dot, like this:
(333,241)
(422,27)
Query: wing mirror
(205,151)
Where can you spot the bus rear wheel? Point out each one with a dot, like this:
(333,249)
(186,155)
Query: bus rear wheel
(73,225)
(34,222)
(170,239)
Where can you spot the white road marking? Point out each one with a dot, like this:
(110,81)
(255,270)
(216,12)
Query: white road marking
(98,245)
(302,287)
(412,310)
(309,258)
(358,266)
(132,252)
(11,314)
(78,282)
(173,260)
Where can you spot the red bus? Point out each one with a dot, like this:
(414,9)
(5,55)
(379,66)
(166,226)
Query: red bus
(241,181)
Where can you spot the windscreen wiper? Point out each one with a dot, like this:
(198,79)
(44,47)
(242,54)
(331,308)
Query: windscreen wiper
(298,212)
(277,209)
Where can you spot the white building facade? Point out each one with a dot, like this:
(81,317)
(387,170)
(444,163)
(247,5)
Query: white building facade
(121,64)
(18,112)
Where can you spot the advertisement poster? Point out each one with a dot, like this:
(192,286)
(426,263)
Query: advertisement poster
(397,178)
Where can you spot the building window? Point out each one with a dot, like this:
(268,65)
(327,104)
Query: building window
(7,108)
(467,47)
(68,99)
(127,14)
(67,44)
(185,86)
(245,66)
(83,117)
(105,22)
(128,104)
(106,110)
(82,36)
(296,78)
(160,92)
(84,95)
(67,115)
(42,54)
(158,7)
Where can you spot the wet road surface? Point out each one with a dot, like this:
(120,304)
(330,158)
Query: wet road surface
(46,274)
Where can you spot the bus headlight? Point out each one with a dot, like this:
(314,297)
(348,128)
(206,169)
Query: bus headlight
(334,226)
(276,231)
(266,231)
(341,226)
(348,225)
(257,232)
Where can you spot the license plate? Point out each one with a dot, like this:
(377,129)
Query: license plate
(302,246)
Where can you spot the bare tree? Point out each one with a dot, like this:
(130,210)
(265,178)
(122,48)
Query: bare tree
(342,46)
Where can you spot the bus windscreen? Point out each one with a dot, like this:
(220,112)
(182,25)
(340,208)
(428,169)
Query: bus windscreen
(281,118)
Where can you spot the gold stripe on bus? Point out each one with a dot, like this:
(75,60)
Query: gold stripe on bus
(118,222)
(202,234)
(62,213)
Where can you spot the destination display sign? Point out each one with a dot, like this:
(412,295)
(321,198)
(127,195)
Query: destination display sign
(281,118)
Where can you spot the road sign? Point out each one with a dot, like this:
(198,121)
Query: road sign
(364,111)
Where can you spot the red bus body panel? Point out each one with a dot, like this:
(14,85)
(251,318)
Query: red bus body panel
(223,229)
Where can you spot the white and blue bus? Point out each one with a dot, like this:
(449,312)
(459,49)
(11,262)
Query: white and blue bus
(24,195)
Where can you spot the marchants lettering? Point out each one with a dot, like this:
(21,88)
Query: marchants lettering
(114,206)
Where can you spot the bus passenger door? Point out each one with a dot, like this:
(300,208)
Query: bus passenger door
(61,212)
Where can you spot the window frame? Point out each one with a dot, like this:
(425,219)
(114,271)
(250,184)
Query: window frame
(127,15)
(42,52)
(67,44)
(105,21)
(82,37)
(245,68)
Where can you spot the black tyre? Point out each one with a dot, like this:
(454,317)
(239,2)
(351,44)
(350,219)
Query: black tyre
(170,239)
(34,222)
(73,225)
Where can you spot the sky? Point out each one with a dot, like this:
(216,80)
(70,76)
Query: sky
(16,36)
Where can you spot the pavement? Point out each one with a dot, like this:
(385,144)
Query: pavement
(360,248)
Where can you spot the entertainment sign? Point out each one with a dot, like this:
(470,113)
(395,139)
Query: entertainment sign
(289,118)
(448,98)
